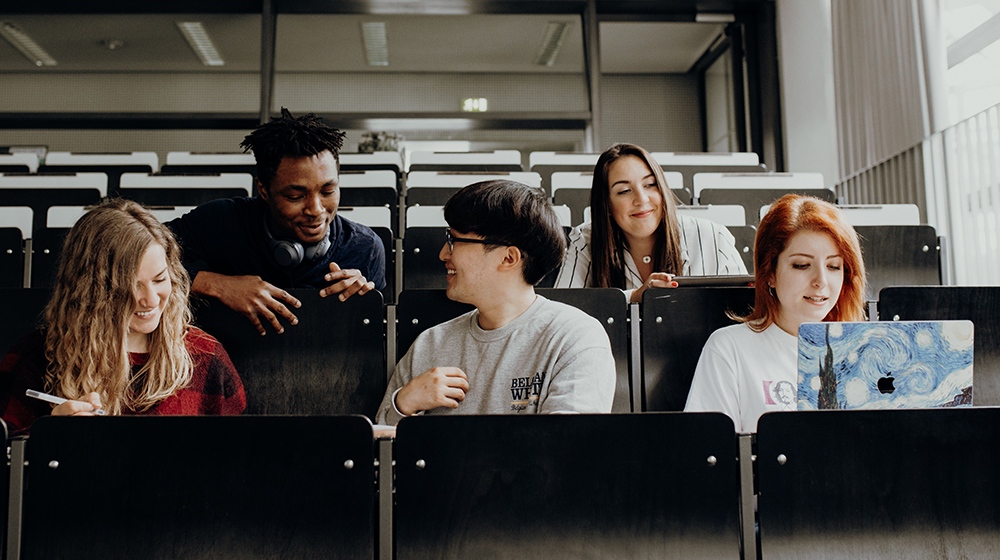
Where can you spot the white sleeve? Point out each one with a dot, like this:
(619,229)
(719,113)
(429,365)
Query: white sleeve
(714,387)
(575,270)
(728,256)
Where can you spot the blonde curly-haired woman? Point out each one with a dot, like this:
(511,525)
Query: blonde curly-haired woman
(117,336)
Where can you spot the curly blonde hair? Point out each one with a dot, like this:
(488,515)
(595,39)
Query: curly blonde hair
(88,316)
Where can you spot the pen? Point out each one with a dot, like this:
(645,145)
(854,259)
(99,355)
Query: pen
(54,399)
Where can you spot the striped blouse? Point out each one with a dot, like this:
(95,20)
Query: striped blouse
(707,249)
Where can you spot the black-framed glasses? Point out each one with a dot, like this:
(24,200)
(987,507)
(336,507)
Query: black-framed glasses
(452,240)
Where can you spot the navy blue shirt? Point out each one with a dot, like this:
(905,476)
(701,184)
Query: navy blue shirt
(227,237)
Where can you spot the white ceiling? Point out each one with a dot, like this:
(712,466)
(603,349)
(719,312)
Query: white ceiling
(332,43)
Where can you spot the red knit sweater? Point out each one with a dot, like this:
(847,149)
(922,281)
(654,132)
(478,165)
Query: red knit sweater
(215,387)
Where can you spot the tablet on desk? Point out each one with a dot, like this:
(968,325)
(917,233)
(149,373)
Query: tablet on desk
(733,280)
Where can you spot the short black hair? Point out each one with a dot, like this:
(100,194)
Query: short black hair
(290,136)
(513,214)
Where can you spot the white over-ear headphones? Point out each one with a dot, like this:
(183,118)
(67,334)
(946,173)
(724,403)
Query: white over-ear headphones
(289,254)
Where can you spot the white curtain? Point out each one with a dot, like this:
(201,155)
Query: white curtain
(888,75)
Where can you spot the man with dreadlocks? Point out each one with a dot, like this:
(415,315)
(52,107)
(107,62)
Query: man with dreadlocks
(247,251)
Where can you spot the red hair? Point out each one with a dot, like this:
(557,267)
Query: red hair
(788,216)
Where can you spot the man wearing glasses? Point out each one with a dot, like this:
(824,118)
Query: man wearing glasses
(517,352)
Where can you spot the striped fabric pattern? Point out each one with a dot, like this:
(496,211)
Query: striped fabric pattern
(707,249)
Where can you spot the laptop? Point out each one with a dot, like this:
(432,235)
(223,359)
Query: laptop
(885,365)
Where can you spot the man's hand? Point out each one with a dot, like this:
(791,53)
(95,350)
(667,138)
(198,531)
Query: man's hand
(346,283)
(440,386)
(250,296)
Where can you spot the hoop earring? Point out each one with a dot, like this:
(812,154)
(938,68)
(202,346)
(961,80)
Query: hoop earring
(771,291)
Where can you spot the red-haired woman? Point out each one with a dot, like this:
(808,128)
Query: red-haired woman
(808,269)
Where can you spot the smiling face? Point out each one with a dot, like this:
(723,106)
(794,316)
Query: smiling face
(807,280)
(636,204)
(151,293)
(303,197)
(469,268)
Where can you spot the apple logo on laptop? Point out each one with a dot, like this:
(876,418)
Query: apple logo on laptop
(885,384)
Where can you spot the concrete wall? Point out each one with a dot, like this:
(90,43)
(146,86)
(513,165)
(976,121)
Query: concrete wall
(805,50)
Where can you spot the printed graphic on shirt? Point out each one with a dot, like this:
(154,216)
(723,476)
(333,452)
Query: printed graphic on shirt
(781,393)
(524,391)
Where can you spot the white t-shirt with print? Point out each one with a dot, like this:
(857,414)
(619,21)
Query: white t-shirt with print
(745,374)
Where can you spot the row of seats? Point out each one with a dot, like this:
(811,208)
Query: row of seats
(338,358)
(42,207)
(545,163)
(566,176)
(894,254)
(373,196)
(851,484)
(438,166)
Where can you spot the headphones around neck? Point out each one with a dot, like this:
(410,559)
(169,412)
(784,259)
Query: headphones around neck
(290,254)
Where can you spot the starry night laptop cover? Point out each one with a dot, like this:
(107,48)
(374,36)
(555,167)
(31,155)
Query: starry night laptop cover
(873,365)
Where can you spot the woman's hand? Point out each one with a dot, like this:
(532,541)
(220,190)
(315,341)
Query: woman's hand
(655,280)
(86,407)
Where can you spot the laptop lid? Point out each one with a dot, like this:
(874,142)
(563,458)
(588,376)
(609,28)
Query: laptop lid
(879,365)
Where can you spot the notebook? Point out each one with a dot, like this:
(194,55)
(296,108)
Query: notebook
(878,365)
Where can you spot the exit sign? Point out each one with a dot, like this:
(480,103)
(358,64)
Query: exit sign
(474,105)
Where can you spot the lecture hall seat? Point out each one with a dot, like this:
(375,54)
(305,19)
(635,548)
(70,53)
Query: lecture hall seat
(332,362)
(879,484)
(163,488)
(552,487)
(676,323)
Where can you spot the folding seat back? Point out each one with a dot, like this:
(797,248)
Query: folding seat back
(880,484)
(900,256)
(486,162)
(183,190)
(15,227)
(112,165)
(370,197)
(676,323)
(332,362)
(567,486)
(183,487)
(373,161)
(23,313)
(19,163)
(753,191)
(435,188)
(181,163)
(41,192)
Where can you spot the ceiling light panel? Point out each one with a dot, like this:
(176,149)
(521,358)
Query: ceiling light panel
(376,43)
(197,37)
(28,47)
(555,32)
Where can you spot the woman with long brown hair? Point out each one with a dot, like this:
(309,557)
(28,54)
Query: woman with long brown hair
(636,240)
(808,268)
(117,337)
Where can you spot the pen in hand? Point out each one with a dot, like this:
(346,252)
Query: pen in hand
(55,400)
